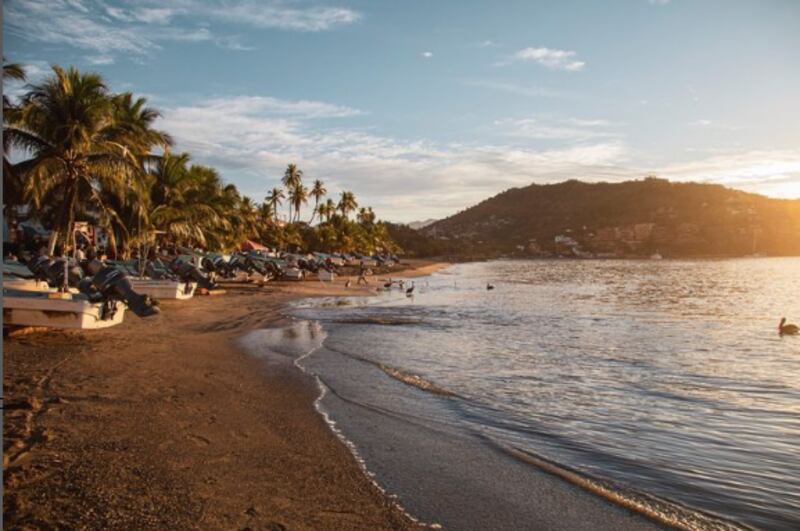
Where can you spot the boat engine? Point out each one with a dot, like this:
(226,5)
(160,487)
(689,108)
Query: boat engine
(189,273)
(52,271)
(109,283)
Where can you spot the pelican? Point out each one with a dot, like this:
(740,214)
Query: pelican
(410,291)
(489,286)
(787,329)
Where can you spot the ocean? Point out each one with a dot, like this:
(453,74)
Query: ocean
(662,385)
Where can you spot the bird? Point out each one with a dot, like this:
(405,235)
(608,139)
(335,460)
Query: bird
(489,286)
(347,284)
(787,329)
(388,285)
(410,291)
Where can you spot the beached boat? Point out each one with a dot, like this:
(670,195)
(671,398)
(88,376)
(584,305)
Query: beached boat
(59,310)
(164,289)
(326,276)
(293,273)
(28,284)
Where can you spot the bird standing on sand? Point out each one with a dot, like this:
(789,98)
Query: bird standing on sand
(489,287)
(410,291)
(787,329)
(347,284)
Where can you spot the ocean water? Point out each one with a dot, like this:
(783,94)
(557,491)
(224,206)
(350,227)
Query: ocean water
(665,379)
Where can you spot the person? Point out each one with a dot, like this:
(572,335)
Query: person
(362,274)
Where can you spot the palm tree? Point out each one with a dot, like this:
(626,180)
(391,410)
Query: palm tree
(298,196)
(292,177)
(347,203)
(68,124)
(275,199)
(12,185)
(318,191)
(330,209)
(171,186)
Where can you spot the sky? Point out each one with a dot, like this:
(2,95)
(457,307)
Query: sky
(425,108)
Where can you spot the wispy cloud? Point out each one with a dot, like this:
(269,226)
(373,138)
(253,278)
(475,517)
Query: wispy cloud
(267,14)
(570,129)
(548,57)
(138,29)
(427,55)
(530,91)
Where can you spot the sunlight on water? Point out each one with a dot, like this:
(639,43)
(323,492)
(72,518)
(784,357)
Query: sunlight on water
(668,377)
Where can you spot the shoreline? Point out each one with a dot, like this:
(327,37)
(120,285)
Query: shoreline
(168,422)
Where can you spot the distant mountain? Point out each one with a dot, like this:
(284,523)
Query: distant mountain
(633,218)
(417,225)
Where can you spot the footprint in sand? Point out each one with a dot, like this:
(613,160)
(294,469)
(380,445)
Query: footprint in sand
(199,440)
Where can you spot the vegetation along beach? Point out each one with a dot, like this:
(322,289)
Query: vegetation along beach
(335,264)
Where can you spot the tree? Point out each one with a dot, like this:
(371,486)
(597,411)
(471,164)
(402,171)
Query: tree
(292,178)
(318,191)
(81,150)
(12,184)
(275,199)
(347,203)
(298,196)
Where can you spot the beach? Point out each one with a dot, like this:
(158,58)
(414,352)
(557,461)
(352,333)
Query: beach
(166,423)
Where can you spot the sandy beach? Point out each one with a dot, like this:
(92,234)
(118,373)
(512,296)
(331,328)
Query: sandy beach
(166,423)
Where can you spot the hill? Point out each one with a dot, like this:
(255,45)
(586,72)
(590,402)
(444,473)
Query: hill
(633,218)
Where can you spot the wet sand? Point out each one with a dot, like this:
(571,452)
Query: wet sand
(166,423)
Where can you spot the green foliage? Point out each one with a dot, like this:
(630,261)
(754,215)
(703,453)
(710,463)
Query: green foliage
(90,156)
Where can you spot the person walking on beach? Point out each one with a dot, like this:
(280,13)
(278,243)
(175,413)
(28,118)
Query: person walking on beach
(362,274)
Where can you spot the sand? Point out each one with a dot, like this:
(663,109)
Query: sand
(165,423)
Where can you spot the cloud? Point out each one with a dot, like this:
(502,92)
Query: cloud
(427,55)
(100,59)
(111,30)
(281,16)
(548,57)
(513,88)
(773,172)
(570,129)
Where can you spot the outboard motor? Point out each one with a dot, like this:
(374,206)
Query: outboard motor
(52,271)
(259,266)
(187,272)
(112,284)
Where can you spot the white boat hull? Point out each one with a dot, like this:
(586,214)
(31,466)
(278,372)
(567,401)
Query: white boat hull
(326,276)
(163,289)
(293,273)
(70,313)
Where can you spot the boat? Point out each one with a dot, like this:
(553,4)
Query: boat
(293,273)
(163,289)
(326,276)
(59,310)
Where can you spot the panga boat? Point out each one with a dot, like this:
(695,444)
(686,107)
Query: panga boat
(59,310)
(293,273)
(163,289)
